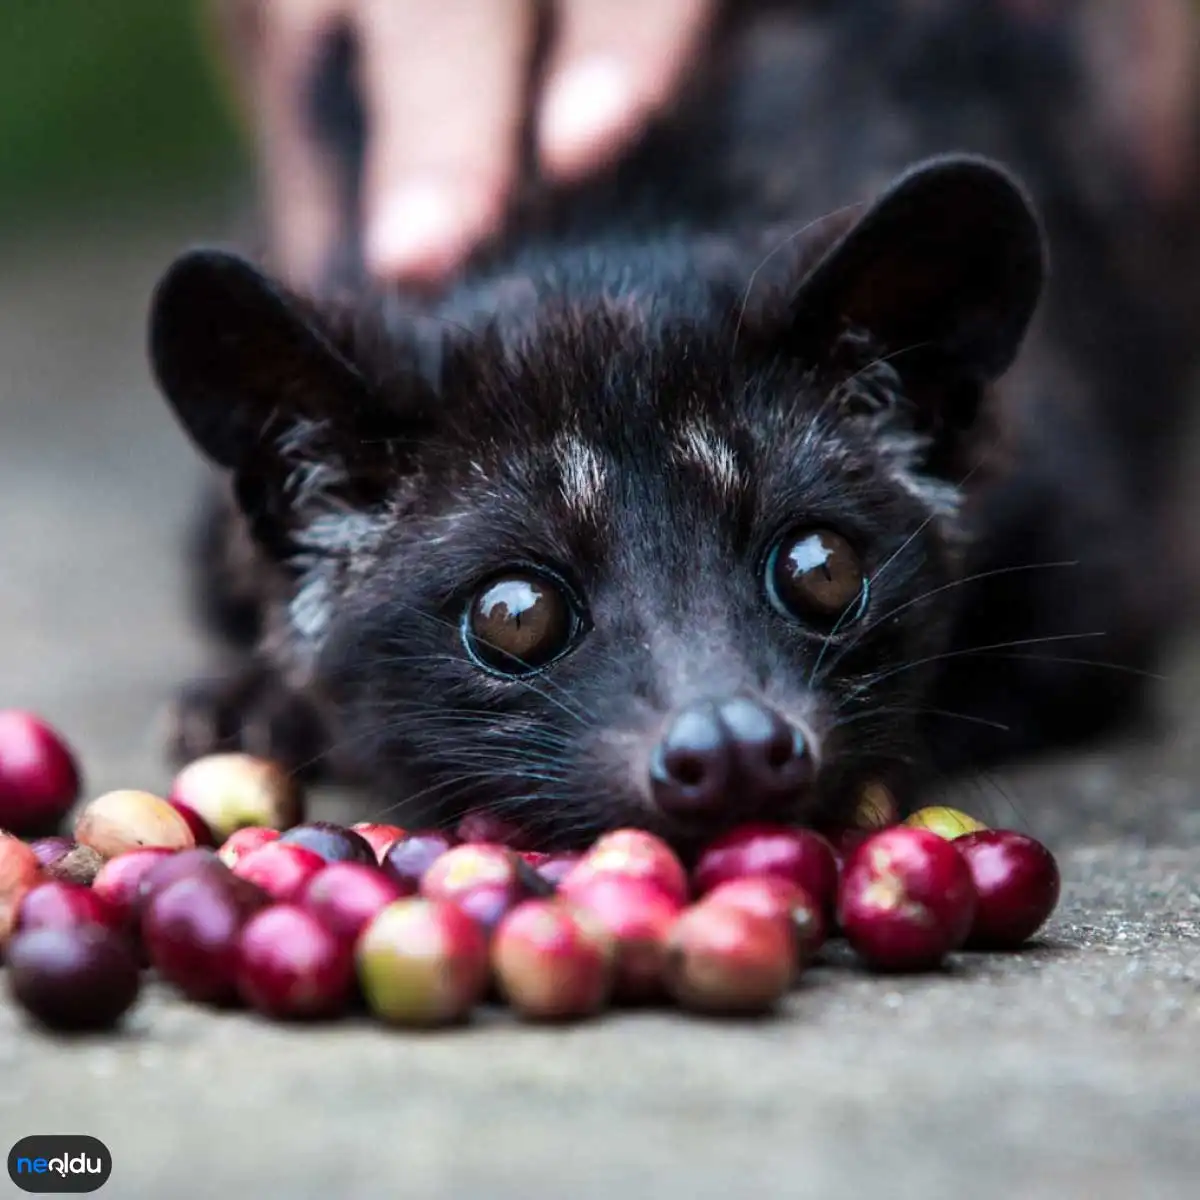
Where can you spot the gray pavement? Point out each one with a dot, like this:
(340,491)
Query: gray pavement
(1070,1071)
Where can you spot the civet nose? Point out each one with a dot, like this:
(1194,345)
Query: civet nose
(717,754)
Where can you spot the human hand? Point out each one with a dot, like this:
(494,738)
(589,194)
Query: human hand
(444,89)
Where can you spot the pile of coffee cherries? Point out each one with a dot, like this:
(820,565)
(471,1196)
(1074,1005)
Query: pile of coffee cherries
(233,899)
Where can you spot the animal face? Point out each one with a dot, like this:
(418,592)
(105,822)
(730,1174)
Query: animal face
(675,566)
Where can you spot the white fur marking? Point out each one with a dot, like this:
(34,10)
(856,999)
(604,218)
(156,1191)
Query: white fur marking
(583,474)
(703,448)
(312,608)
(341,532)
(901,451)
(448,521)
(330,544)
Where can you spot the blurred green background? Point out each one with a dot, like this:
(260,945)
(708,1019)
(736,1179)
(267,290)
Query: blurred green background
(107,102)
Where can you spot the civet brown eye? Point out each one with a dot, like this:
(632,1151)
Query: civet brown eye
(815,574)
(517,623)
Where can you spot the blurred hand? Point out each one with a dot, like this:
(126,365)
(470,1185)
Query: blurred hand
(443,85)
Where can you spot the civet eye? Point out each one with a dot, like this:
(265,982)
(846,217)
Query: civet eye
(815,574)
(517,623)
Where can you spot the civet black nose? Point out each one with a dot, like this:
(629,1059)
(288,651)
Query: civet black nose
(720,753)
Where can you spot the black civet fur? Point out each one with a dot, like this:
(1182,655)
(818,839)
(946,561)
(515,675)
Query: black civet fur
(519,546)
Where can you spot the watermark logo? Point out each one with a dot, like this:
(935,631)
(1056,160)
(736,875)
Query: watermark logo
(59,1162)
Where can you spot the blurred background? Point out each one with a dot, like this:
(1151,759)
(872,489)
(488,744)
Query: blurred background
(106,104)
(116,149)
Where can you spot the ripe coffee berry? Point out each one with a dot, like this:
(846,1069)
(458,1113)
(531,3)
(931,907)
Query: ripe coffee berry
(725,959)
(906,900)
(291,966)
(19,871)
(413,855)
(196,861)
(280,869)
(57,905)
(119,881)
(245,841)
(191,929)
(345,897)
(1018,884)
(73,979)
(800,856)
(233,791)
(39,777)
(550,962)
(485,881)
(631,853)
(202,834)
(638,915)
(422,962)
(125,820)
(381,838)
(334,843)
(769,896)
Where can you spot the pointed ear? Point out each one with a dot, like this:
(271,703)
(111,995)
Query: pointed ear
(235,356)
(948,261)
(264,393)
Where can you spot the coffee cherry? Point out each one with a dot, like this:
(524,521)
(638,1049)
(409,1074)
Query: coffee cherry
(413,855)
(19,871)
(199,860)
(334,843)
(1018,884)
(73,979)
(201,831)
(290,966)
(769,896)
(485,881)
(231,791)
(422,962)
(118,881)
(57,905)
(345,897)
(280,869)
(632,853)
(948,823)
(380,838)
(550,962)
(638,915)
(800,856)
(906,900)
(39,776)
(191,928)
(121,821)
(722,958)
(245,841)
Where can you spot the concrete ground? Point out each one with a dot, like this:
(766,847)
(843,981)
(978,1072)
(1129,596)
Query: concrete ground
(1072,1070)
